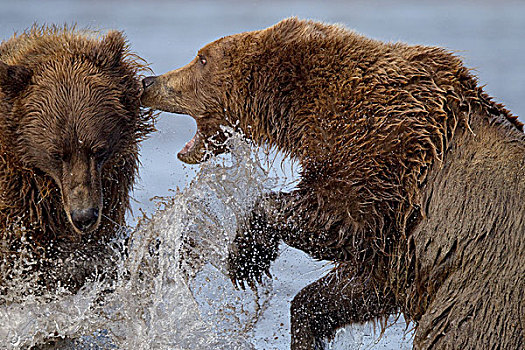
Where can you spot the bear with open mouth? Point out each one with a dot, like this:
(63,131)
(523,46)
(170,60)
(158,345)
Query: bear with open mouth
(412,179)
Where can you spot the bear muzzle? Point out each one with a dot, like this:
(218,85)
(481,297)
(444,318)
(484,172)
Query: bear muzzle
(149,93)
(148,81)
(82,196)
(85,220)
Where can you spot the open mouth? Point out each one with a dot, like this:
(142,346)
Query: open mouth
(208,141)
(194,151)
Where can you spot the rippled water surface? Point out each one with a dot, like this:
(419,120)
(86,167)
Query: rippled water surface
(170,297)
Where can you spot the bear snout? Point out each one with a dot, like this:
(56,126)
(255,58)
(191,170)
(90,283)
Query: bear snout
(148,91)
(84,219)
(148,81)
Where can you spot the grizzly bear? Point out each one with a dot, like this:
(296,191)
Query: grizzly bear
(412,179)
(70,126)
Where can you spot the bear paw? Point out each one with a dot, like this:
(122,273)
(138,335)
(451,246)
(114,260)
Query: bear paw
(248,260)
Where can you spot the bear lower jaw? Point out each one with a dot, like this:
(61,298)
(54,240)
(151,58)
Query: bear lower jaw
(194,151)
(199,149)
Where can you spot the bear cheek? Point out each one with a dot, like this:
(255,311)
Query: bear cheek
(44,163)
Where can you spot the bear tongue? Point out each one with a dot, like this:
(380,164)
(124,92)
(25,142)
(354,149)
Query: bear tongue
(189,145)
(190,152)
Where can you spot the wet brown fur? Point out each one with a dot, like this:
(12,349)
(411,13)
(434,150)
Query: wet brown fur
(412,179)
(69,132)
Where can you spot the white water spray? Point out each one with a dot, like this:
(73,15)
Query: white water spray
(172,290)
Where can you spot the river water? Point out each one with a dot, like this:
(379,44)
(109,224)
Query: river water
(166,306)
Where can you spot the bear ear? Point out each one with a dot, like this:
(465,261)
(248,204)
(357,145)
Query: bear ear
(111,49)
(14,79)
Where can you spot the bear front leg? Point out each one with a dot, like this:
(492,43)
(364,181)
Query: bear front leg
(342,297)
(274,218)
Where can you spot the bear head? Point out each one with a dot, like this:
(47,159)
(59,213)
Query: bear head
(73,119)
(251,82)
(196,89)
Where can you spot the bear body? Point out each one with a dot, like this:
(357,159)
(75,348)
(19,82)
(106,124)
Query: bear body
(69,131)
(411,179)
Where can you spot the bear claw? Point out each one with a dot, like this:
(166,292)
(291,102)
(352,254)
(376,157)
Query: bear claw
(247,261)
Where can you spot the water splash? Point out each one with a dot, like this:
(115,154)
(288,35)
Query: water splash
(177,259)
(171,291)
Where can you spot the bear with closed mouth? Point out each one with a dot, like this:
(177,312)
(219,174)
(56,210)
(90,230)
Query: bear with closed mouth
(70,128)
(411,179)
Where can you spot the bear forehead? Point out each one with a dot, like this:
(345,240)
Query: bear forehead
(72,108)
(72,69)
(70,134)
(81,105)
(75,87)
(223,43)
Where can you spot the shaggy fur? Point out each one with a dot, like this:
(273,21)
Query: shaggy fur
(412,179)
(69,132)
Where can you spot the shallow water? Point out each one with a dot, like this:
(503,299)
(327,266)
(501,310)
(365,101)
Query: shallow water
(156,305)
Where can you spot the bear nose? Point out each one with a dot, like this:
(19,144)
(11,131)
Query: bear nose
(84,219)
(148,81)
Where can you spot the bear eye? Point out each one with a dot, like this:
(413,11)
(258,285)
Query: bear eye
(56,156)
(60,157)
(203,60)
(100,154)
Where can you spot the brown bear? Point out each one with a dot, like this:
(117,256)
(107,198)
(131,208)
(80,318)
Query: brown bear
(70,126)
(412,179)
